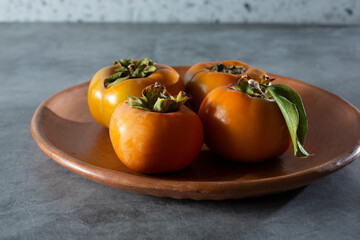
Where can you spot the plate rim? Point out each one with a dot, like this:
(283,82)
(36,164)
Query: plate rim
(122,180)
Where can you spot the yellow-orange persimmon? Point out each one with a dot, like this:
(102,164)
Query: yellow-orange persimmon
(203,77)
(243,128)
(112,85)
(156,134)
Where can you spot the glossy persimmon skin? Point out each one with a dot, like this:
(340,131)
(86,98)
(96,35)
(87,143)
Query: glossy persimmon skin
(242,128)
(200,80)
(150,142)
(103,101)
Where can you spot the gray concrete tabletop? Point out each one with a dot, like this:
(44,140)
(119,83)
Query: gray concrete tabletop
(40,199)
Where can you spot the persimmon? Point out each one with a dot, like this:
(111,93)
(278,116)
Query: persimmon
(156,133)
(112,85)
(203,77)
(253,122)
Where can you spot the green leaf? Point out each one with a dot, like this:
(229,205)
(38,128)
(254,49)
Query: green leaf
(143,68)
(138,72)
(136,102)
(220,67)
(250,87)
(125,62)
(152,93)
(245,87)
(181,98)
(292,108)
(165,105)
(115,79)
(149,69)
(122,69)
(127,69)
(145,61)
(156,98)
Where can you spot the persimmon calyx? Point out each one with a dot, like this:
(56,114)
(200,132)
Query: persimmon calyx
(220,67)
(289,103)
(155,98)
(129,68)
(251,87)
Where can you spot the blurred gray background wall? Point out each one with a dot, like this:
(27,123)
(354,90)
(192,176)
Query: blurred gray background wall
(184,11)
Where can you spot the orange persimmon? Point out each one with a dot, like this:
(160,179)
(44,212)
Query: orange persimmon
(203,77)
(112,85)
(156,133)
(242,128)
(253,122)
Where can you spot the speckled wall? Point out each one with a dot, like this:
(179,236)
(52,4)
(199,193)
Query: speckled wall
(224,11)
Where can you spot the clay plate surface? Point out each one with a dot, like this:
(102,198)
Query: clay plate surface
(64,129)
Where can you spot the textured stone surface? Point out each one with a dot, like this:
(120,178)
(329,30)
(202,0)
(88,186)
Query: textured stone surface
(184,11)
(39,199)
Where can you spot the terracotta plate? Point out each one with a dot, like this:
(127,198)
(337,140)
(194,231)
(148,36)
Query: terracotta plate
(64,129)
